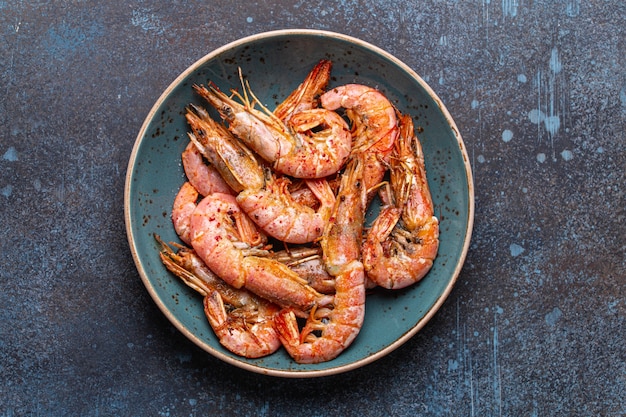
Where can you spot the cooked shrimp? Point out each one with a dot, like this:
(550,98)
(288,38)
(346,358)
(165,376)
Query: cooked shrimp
(329,331)
(374,127)
(279,215)
(235,162)
(403,241)
(184,204)
(305,96)
(204,177)
(223,244)
(242,321)
(265,198)
(311,143)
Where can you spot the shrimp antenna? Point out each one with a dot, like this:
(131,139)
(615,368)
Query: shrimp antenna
(245,85)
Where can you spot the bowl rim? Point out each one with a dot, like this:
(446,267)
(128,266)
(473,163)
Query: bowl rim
(293,373)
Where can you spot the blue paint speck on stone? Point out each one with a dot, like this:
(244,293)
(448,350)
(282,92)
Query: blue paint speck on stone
(553,316)
(7,190)
(516,249)
(10,155)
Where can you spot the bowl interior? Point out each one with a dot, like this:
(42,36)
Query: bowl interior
(275,64)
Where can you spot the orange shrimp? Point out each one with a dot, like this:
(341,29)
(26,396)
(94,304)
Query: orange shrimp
(305,96)
(220,236)
(329,331)
(265,198)
(242,321)
(235,162)
(403,241)
(374,127)
(310,143)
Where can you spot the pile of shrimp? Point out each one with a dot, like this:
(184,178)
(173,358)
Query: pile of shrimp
(272,215)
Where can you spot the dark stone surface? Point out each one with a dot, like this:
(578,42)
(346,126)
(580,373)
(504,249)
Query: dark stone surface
(536,323)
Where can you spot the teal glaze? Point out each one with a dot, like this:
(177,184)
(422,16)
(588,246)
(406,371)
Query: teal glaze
(275,63)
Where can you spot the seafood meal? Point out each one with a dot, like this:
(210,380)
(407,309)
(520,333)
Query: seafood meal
(272,214)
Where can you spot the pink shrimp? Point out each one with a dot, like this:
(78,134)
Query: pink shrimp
(329,331)
(278,214)
(204,177)
(310,143)
(403,241)
(242,321)
(221,242)
(265,198)
(374,127)
(184,204)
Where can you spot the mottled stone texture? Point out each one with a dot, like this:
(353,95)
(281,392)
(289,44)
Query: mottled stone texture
(536,323)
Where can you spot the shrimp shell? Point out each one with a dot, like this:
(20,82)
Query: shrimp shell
(402,243)
(374,127)
(312,143)
(329,331)
(217,238)
(242,321)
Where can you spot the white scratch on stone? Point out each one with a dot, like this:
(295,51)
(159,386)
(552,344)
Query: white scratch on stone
(509,7)
(497,382)
(551,105)
(486,23)
(147,21)
(572,9)
(553,117)
(552,123)
(555,61)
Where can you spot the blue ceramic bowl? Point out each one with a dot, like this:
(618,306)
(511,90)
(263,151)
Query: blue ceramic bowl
(275,63)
